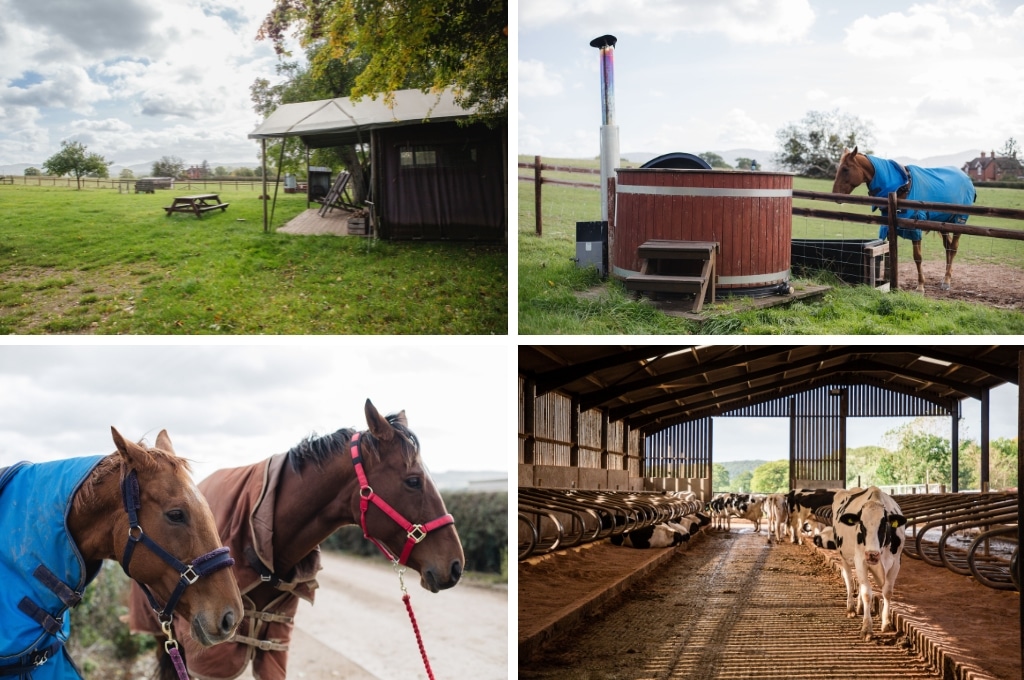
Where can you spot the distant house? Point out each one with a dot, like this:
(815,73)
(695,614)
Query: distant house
(992,168)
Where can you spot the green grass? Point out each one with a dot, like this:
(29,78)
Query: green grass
(96,261)
(556,297)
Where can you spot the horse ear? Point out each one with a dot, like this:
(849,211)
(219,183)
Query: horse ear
(854,152)
(400,418)
(133,455)
(163,442)
(379,426)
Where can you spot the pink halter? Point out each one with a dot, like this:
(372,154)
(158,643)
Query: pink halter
(414,532)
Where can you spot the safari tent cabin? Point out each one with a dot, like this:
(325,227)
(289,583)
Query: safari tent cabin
(430,177)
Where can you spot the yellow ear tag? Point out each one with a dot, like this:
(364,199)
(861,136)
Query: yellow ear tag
(895,524)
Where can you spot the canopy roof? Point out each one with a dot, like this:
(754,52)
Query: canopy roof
(334,122)
(654,387)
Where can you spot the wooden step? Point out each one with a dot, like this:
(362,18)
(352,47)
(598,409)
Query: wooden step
(665,284)
(676,250)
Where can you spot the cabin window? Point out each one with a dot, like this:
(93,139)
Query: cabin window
(418,157)
(460,156)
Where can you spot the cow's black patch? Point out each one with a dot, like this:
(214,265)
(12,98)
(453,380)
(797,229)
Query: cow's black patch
(641,538)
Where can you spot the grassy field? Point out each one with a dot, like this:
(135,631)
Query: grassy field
(96,261)
(555,297)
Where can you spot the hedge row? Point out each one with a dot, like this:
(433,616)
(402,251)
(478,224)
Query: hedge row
(481,520)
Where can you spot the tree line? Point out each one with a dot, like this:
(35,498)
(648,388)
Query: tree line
(915,454)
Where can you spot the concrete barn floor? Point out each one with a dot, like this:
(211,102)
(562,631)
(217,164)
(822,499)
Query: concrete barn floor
(731,606)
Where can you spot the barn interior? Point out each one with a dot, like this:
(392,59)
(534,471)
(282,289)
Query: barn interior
(617,428)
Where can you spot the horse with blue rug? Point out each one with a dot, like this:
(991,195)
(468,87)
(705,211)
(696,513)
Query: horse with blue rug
(60,520)
(912,183)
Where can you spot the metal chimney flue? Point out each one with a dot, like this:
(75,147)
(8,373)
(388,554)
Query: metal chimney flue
(609,131)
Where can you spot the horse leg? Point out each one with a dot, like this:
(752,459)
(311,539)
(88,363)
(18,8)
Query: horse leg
(917,261)
(951,242)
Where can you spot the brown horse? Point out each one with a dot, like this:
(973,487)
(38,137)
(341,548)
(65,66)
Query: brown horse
(941,185)
(137,506)
(274,515)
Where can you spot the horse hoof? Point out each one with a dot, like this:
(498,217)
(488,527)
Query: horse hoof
(944,286)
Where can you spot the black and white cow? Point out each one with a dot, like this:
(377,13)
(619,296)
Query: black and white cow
(870,534)
(826,538)
(724,507)
(801,505)
(664,535)
(777,511)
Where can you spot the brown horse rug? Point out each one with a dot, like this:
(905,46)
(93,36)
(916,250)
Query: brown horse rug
(242,501)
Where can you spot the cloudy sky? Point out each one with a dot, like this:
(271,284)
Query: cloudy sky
(133,80)
(225,406)
(932,77)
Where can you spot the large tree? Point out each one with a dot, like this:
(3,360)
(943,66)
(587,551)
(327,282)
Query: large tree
(814,146)
(168,166)
(771,477)
(302,84)
(74,159)
(408,43)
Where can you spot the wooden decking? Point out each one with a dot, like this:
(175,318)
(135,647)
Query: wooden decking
(309,222)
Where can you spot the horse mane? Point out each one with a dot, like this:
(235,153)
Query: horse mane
(115,463)
(317,450)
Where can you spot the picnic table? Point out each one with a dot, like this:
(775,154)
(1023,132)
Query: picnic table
(197,204)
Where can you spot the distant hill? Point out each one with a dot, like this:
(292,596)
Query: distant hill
(956,160)
(471,480)
(738,467)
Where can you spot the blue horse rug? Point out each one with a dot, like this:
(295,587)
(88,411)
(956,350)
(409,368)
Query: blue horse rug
(935,185)
(41,570)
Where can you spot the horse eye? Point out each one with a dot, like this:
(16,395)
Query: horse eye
(175,516)
(414,483)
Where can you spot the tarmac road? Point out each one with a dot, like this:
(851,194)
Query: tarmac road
(359,628)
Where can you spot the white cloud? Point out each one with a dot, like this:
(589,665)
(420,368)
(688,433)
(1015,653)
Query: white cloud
(535,81)
(742,21)
(922,31)
(64,86)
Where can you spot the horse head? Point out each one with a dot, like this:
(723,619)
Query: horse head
(854,169)
(397,475)
(175,516)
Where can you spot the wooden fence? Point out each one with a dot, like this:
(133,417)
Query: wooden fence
(891,203)
(538,179)
(253,184)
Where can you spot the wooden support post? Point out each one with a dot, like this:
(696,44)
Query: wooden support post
(529,421)
(574,433)
(1020,476)
(537,179)
(985,440)
(955,445)
(266,225)
(894,260)
(792,441)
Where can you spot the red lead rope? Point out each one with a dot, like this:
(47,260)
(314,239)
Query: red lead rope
(414,534)
(419,640)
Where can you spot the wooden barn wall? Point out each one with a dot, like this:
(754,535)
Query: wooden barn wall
(589,450)
(551,430)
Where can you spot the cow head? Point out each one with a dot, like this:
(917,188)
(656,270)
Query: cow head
(876,529)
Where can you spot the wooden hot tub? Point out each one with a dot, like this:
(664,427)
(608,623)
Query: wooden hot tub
(749,214)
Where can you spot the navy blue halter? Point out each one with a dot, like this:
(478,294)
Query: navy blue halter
(189,573)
